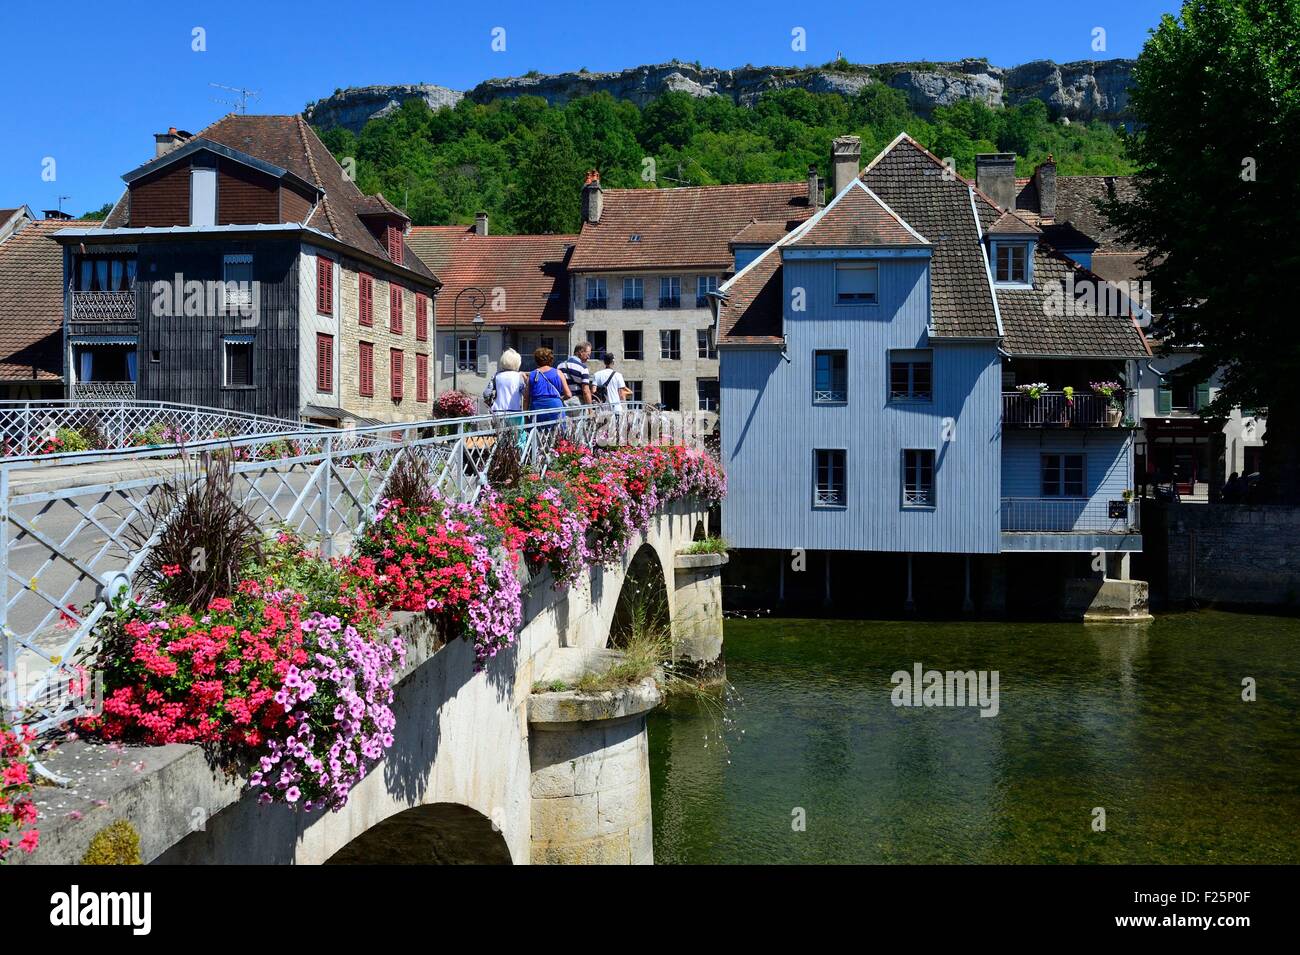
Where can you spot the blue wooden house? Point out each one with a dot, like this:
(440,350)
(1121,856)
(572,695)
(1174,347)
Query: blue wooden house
(909,372)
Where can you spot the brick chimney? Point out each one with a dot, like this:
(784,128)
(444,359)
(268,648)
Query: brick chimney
(166,142)
(481,223)
(815,186)
(846,159)
(995,174)
(593,198)
(1045,182)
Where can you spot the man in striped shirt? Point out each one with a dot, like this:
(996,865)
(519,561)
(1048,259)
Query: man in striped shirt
(574,369)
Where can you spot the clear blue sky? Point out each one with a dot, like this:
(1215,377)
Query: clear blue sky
(88,84)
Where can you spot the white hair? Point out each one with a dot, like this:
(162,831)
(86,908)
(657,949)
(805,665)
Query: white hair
(510,360)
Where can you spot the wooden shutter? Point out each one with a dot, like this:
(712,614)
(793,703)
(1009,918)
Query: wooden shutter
(482,364)
(421,378)
(366,300)
(395,309)
(324,363)
(366,370)
(396,372)
(324,285)
(1202,395)
(448,364)
(395,244)
(1164,400)
(421,318)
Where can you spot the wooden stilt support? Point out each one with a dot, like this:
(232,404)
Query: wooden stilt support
(909,604)
(968,605)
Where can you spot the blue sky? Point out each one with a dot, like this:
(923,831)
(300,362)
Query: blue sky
(88,84)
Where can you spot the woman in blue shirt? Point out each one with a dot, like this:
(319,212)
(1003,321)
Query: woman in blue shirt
(546,388)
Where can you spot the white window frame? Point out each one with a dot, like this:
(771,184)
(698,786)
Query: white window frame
(704,284)
(828,499)
(225,361)
(670,344)
(1025,264)
(468,361)
(843,269)
(911,358)
(703,403)
(670,282)
(600,300)
(918,500)
(233,299)
(705,346)
(639,298)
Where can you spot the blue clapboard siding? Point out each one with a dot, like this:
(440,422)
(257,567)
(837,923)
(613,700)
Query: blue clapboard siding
(1107,463)
(770,427)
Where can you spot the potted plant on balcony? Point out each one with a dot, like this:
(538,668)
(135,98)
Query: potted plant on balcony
(1113,392)
(1066,416)
(1033,391)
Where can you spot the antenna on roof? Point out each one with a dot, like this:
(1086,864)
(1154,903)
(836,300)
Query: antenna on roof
(59,204)
(240,105)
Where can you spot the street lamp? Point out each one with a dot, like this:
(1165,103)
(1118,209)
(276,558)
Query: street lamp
(477,298)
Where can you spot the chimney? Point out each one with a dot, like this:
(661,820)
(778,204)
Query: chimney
(480,223)
(593,198)
(814,187)
(166,142)
(995,174)
(846,157)
(1045,182)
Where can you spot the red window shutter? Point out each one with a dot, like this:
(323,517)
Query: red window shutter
(366,300)
(366,371)
(422,378)
(324,362)
(421,318)
(395,309)
(324,285)
(395,244)
(396,372)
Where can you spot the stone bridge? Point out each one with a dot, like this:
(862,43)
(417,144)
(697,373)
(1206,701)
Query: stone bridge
(483,769)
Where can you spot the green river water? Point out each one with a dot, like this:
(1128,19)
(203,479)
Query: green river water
(1146,722)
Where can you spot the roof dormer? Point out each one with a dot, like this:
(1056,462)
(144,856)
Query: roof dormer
(1011,243)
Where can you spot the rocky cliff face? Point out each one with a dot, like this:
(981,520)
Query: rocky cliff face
(1080,91)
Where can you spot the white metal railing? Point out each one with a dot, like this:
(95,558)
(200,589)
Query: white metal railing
(27,426)
(103,306)
(66,551)
(1070,515)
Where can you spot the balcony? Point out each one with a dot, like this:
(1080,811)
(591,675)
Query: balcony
(1068,515)
(104,390)
(103,306)
(1052,409)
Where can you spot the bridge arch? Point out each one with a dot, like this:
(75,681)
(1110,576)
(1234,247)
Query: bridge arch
(435,834)
(645,598)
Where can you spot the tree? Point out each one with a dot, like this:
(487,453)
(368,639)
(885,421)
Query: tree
(548,195)
(1218,94)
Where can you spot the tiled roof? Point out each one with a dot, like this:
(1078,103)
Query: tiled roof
(750,314)
(689,227)
(918,186)
(289,143)
(530,269)
(764,233)
(1076,206)
(858,218)
(31,302)
(1011,224)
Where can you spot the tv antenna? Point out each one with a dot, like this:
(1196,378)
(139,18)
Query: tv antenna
(240,105)
(59,204)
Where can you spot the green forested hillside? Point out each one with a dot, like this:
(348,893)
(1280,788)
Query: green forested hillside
(523,161)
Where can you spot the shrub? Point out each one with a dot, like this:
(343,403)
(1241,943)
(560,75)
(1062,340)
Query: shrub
(16,807)
(72,440)
(115,844)
(454,404)
(409,482)
(709,545)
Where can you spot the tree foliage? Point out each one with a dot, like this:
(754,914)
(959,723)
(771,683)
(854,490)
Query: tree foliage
(522,161)
(1218,203)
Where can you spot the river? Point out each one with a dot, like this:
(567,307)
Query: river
(1141,729)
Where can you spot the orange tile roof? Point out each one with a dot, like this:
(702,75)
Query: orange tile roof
(31,302)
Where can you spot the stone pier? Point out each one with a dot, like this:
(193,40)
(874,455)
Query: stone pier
(697,616)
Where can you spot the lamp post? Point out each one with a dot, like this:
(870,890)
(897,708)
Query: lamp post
(477,298)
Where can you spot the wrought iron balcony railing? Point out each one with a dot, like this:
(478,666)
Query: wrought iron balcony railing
(1052,409)
(103,306)
(111,390)
(1070,515)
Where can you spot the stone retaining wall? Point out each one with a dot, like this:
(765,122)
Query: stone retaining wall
(1234,554)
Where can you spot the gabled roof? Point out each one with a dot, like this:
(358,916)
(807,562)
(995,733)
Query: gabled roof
(530,269)
(763,233)
(687,227)
(1076,208)
(1011,224)
(31,302)
(857,218)
(287,146)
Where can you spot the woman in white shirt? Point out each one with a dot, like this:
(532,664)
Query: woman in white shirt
(509,389)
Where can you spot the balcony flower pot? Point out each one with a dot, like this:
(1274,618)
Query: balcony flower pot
(1114,416)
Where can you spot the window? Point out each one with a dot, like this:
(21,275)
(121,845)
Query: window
(918,478)
(705,347)
(467,354)
(670,291)
(633,293)
(324,362)
(706,390)
(237,269)
(366,370)
(1011,260)
(670,344)
(239,362)
(324,285)
(855,283)
(829,478)
(1063,475)
(703,286)
(670,395)
(635,388)
(396,371)
(104,274)
(395,243)
(910,376)
(632,346)
(365,299)
(830,376)
(597,294)
(421,317)
(421,378)
(155,356)
(395,309)
(598,343)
